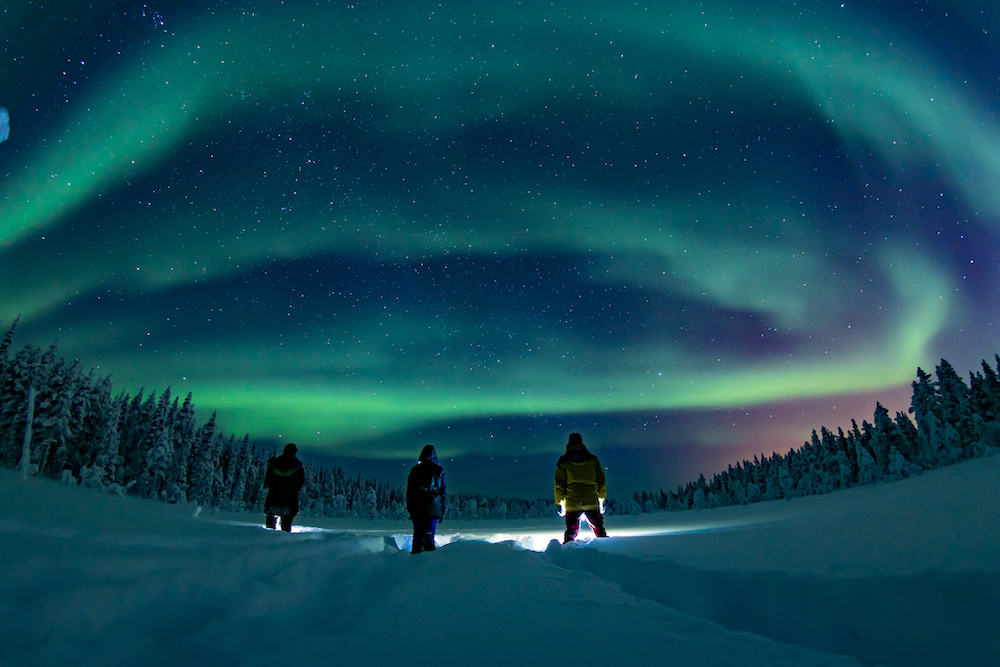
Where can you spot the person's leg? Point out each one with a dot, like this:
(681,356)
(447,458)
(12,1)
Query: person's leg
(272,521)
(572,526)
(429,535)
(596,521)
(417,544)
(286,523)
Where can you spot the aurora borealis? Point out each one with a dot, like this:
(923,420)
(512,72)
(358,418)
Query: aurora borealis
(691,231)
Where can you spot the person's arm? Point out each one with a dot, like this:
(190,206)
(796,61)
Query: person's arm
(602,487)
(409,492)
(560,484)
(444,493)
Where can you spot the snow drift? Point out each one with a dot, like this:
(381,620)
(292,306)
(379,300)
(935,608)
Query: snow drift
(906,573)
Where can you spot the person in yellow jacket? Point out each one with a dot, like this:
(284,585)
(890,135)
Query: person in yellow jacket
(580,488)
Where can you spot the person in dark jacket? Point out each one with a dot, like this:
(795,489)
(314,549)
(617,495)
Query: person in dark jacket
(283,481)
(580,488)
(426,499)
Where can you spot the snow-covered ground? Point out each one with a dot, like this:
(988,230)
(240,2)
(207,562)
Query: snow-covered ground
(906,573)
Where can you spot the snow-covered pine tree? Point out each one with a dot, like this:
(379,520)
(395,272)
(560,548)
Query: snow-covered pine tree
(24,465)
(984,392)
(888,435)
(52,410)
(909,444)
(5,344)
(846,460)
(954,447)
(157,450)
(20,376)
(41,439)
(786,483)
(256,467)
(106,467)
(183,436)
(867,467)
(74,404)
(868,439)
(772,484)
(956,407)
(204,464)
(933,442)
(924,408)
(989,437)
(134,434)
(237,475)
(85,438)
(899,467)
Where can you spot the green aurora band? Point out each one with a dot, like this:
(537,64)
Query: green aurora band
(427,74)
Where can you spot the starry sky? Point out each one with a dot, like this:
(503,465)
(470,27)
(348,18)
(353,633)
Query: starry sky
(691,231)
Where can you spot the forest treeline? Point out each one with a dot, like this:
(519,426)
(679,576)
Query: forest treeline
(951,421)
(56,421)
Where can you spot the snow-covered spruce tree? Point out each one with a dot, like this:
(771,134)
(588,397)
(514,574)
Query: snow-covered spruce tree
(984,394)
(106,465)
(5,344)
(24,465)
(156,451)
(924,408)
(867,467)
(888,435)
(40,441)
(83,447)
(235,481)
(826,470)
(899,467)
(72,443)
(785,481)
(20,376)
(204,464)
(956,407)
(846,461)
(134,432)
(225,450)
(53,410)
(183,435)
(984,391)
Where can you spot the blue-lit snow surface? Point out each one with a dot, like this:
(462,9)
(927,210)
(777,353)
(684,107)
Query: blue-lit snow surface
(898,574)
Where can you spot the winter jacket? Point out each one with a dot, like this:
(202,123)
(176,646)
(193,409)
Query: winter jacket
(283,481)
(579,479)
(426,492)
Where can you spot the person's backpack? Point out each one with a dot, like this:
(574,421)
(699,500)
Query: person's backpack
(428,491)
(432,488)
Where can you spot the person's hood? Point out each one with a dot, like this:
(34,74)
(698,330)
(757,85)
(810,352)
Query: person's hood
(577,452)
(429,454)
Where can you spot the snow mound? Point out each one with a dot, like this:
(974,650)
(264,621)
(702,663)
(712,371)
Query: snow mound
(897,574)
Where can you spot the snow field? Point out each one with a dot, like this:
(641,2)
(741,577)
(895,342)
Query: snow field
(906,573)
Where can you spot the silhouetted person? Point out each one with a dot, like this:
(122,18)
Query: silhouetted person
(580,488)
(426,499)
(283,481)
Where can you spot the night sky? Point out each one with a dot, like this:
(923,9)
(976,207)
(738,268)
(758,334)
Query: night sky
(691,231)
